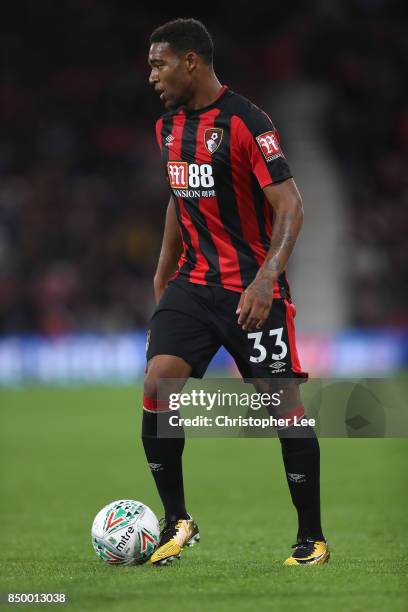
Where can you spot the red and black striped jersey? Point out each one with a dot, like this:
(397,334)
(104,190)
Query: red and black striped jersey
(217,161)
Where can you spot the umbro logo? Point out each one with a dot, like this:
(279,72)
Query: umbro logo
(277,365)
(169,140)
(156,467)
(297,477)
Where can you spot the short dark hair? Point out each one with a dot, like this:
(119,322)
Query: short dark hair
(186,35)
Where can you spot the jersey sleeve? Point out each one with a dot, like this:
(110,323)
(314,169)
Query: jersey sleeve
(259,142)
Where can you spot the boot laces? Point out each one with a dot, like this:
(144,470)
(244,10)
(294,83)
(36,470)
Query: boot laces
(168,529)
(305,547)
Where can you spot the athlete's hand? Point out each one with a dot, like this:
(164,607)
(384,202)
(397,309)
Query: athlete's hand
(255,303)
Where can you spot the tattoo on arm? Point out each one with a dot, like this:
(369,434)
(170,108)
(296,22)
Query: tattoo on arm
(285,232)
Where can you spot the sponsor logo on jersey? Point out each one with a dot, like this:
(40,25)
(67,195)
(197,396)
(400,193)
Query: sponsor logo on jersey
(191,180)
(212,139)
(177,172)
(268,142)
(194,193)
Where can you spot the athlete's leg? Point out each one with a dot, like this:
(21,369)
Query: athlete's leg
(301,456)
(269,359)
(167,374)
(180,344)
(164,454)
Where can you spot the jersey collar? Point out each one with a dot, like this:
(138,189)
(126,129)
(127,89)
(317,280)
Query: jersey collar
(197,111)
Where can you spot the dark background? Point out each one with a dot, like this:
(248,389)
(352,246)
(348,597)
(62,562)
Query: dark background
(82,194)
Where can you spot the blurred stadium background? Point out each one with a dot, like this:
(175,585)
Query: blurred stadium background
(82,195)
(82,201)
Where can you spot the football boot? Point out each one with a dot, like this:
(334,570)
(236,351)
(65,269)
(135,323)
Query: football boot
(173,537)
(309,552)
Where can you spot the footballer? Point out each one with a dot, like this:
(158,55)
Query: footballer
(232,221)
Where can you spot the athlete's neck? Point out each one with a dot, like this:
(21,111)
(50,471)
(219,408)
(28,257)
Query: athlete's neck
(205,95)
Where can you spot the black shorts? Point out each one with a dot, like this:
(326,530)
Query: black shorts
(193,321)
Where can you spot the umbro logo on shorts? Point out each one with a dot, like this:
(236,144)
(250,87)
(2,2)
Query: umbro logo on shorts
(277,365)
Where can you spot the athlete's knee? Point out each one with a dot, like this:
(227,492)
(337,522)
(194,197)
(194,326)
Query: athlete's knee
(158,425)
(165,374)
(156,372)
(150,385)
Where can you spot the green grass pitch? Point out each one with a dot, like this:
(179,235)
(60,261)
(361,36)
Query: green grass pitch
(66,453)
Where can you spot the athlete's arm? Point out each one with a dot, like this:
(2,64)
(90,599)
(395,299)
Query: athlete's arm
(170,252)
(256,301)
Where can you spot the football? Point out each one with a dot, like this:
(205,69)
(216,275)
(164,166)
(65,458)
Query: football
(125,532)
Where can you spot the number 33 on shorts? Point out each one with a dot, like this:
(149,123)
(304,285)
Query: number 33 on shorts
(272,351)
(260,351)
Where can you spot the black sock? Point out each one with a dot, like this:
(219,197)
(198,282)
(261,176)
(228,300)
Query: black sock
(301,457)
(164,459)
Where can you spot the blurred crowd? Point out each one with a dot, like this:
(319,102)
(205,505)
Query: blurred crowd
(368,130)
(82,191)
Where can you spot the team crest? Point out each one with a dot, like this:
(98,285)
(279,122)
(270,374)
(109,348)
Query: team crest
(212,139)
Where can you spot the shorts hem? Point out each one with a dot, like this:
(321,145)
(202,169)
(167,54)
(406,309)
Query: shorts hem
(300,377)
(195,372)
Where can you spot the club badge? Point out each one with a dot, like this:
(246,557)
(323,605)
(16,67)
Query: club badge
(212,139)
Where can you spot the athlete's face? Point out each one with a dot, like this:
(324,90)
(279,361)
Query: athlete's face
(171,74)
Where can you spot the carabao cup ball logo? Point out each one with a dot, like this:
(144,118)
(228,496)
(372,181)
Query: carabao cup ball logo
(120,515)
